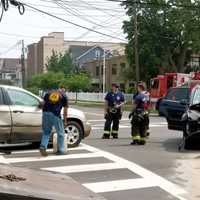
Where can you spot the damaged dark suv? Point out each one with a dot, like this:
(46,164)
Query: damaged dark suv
(191,118)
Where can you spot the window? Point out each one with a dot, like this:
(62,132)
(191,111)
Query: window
(97,53)
(97,70)
(114,69)
(196,97)
(21,98)
(154,83)
(177,94)
(123,66)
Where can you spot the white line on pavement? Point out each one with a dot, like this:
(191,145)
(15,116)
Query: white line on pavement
(128,184)
(48,150)
(3,160)
(157,180)
(90,113)
(102,120)
(100,126)
(85,168)
(49,158)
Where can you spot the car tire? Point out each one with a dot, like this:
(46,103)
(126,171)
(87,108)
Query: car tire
(188,144)
(75,133)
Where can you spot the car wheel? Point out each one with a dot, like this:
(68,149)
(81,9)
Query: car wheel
(75,133)
(188,144)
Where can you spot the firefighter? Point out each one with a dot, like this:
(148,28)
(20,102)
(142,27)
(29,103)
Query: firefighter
(114,101)
(138,122)
(146,107)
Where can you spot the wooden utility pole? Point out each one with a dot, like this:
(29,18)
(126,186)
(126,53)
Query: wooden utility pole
(23,64)
(104,71)
(137,67)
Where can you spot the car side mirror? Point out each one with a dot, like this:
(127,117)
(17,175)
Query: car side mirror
(184,102)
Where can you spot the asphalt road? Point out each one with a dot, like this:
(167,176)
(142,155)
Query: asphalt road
(117,170)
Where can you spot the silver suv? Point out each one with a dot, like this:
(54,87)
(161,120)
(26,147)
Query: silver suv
(21,118)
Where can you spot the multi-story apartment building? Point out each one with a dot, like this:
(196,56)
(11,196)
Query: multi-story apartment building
(38,53)
(114,67)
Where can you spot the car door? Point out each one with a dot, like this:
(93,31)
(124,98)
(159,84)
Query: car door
(26,116)
(174,105)
(5,119)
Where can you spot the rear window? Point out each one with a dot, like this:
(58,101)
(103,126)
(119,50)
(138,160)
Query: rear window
(177,94)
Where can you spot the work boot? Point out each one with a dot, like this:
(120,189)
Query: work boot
(43,152)
(105,136)
(134,142)
(115,136)
(142,142)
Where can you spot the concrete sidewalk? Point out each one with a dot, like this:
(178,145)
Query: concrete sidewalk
(39,185)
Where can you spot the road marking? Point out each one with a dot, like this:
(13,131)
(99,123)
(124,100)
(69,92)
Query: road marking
(49,158)
(156,180)
(100,126)
(3,160)
(84,168)
(102,120)
(48,150)
(128,184)
(89,113)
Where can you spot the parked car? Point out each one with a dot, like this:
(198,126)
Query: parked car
(21,118)
(191,118)
(173,106)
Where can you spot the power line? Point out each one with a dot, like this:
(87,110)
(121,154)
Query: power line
(75,24)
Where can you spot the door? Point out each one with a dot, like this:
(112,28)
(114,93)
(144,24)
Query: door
(26,116)
(173,106)
(5,119)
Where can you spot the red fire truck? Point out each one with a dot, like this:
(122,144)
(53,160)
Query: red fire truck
(161,83)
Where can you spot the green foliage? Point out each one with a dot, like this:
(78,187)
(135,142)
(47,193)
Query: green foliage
(78,82)
(60,63)
(51,80)
(46,81)
(131,90)
(168,35)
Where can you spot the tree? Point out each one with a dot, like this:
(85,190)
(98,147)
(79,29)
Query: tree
(168,35)
(59,62)
(78,82)
(47,81)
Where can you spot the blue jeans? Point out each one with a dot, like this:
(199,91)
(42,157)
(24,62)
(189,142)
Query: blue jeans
(49,120)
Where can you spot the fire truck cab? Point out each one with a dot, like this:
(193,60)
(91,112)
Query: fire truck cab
(161,84)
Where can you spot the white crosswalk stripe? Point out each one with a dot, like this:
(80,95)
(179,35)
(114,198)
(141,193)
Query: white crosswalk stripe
(146,178)
(85,168)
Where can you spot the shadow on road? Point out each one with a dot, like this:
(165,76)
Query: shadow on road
(172,145)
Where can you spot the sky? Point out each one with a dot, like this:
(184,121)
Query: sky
(99,15)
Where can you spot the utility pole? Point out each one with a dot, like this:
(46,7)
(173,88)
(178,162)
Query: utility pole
(23,64)
(137,67)
(104,71)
